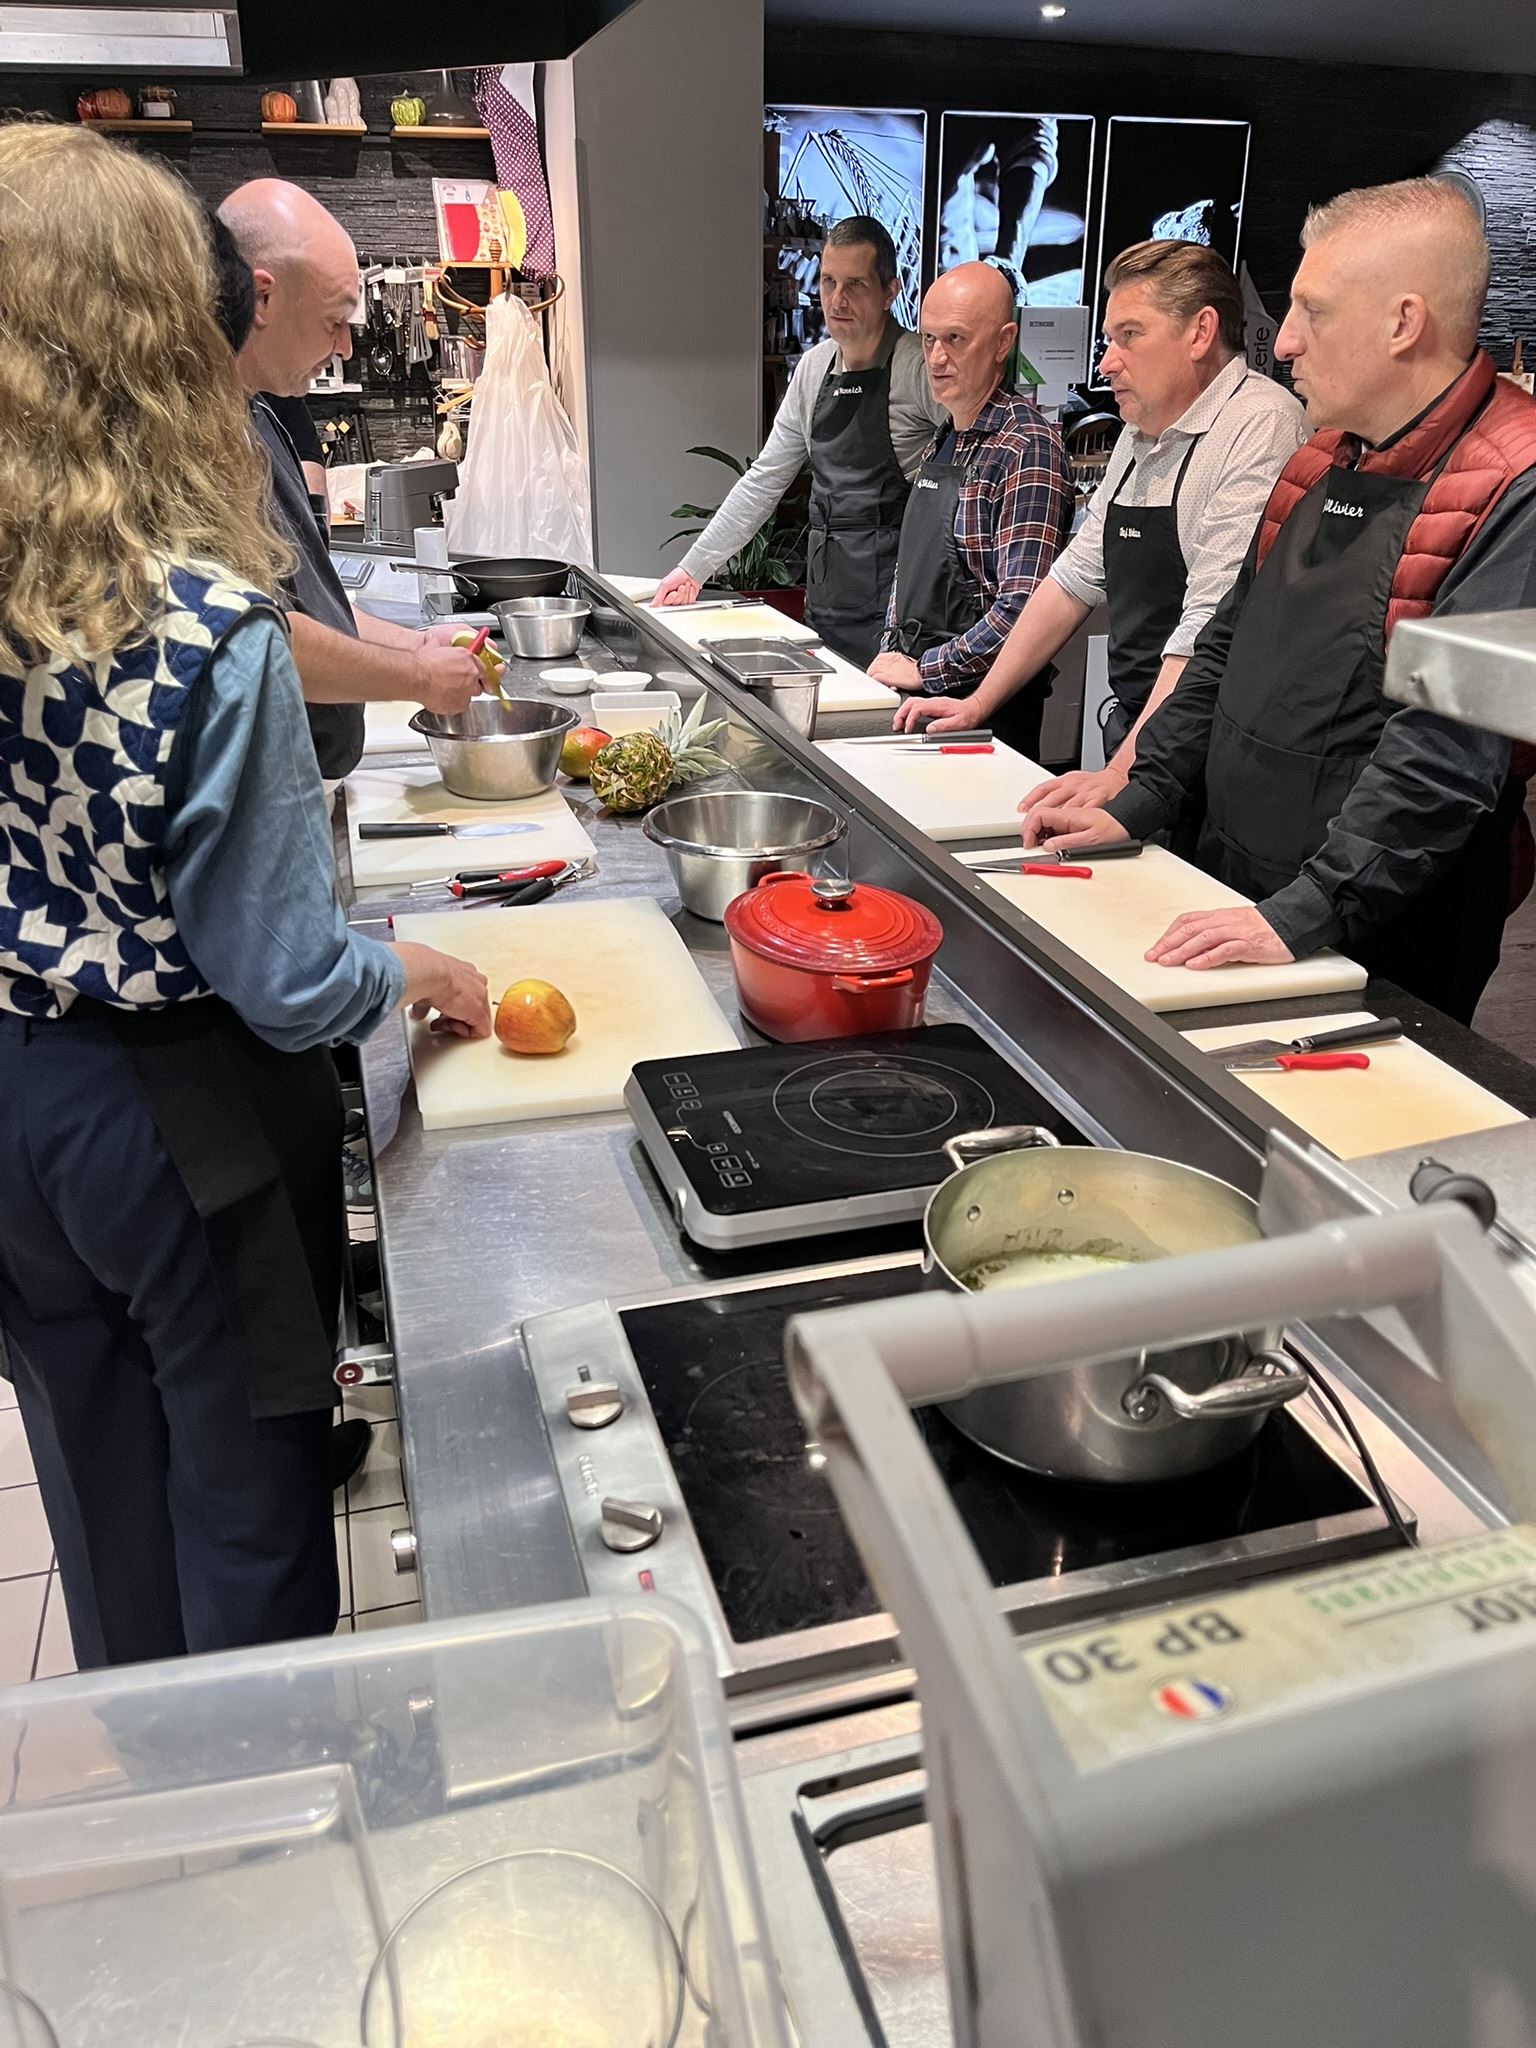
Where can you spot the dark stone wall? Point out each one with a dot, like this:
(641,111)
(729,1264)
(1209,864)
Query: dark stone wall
(1317,128)
(380,190)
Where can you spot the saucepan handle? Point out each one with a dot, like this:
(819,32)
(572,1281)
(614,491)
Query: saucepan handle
(967,1146)
(1251,1393)
(860,984)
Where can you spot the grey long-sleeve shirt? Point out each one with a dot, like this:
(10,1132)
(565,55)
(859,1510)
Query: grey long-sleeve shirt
(1425,786)
(914,414)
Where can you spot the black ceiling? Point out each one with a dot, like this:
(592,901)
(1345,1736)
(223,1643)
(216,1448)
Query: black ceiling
(1462,35)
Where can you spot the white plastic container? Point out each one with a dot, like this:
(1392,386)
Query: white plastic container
(450,1833)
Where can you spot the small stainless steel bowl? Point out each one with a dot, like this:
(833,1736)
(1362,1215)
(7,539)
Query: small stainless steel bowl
(497,750)
(721,844)
(542,628)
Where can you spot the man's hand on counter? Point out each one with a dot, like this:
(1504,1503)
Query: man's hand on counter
(455,991)
(676,588)
(939,714)
(896,671)
(1088,789)
(1221,938)
(1063,826)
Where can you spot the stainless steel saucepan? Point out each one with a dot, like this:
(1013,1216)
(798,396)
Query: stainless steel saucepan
(1023,1207)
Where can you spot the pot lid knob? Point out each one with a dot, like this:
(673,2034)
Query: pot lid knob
(832,893)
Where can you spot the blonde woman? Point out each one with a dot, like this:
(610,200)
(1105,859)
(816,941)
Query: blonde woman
(172,960)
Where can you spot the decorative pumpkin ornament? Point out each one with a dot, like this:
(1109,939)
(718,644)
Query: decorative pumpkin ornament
(107,103)
(408,111)
(281,107)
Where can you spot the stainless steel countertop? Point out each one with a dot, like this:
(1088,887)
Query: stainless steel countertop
(482,1228)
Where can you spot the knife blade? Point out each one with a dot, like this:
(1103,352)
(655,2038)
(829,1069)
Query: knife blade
(1378,1031)
(1037,856)
(431,829)
(1293,1062)
(979,737)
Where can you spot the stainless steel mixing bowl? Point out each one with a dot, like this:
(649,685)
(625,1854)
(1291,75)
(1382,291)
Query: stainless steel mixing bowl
(497,749)
(723,843)
(542,628)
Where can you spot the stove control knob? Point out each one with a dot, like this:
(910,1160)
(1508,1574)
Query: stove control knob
(593,1404)
(629,1524)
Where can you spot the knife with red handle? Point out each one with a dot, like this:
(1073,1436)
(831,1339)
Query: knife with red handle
(467,877)
(1292,1062)
(1059,871)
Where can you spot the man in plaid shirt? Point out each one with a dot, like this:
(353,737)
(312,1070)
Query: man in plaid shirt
(990,509)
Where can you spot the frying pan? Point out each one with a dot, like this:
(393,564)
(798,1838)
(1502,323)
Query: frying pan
(498,578)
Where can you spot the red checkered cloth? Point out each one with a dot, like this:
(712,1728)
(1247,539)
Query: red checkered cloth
(504,95)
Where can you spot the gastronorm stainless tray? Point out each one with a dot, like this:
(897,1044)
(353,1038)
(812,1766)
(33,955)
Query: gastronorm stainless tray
(753,658)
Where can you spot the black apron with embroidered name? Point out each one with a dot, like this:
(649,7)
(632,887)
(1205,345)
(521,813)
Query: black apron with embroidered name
(1146,579)
(858,495)
(938,599)
(1298,717)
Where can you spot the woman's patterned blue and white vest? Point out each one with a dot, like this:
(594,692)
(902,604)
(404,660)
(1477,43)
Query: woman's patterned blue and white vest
(84,757)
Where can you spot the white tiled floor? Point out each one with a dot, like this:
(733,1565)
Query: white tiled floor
(34,1629)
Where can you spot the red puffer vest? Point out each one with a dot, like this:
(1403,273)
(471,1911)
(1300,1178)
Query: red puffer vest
(1488,426)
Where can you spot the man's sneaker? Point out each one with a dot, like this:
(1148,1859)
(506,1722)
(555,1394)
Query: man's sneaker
(357,1177)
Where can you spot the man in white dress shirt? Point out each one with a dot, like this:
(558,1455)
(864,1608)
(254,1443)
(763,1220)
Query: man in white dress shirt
(1204,440)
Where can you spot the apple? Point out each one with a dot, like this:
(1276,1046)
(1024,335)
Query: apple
(534,1017)
(488,658)
(581,749)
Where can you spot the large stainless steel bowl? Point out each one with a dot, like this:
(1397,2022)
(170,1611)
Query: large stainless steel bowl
(723,843)
(497,749)
(543,628)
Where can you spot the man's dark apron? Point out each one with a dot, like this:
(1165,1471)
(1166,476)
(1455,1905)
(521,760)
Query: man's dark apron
(1145,581)
(858,495)
(1298,716)
(938,599)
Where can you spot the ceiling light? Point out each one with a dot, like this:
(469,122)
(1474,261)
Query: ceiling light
(1051,11)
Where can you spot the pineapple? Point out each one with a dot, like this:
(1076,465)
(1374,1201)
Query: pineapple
(637,769)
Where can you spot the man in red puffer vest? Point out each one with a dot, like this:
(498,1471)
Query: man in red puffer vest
(1393,834)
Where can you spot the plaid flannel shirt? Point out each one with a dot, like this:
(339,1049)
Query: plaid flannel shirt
(1016,508)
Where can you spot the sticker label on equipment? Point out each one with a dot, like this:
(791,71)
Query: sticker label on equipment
(1187,1674)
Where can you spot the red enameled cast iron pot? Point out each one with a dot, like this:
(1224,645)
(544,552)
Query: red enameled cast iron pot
(828,959)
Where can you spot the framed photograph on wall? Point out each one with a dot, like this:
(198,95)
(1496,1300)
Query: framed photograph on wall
(1016,187)
(834,161)
(1172,181)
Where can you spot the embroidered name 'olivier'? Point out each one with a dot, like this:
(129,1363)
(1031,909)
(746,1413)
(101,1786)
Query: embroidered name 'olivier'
(1343,511)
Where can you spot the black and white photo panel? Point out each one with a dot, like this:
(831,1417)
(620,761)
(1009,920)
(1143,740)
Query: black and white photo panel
(1015,188)
(836,161)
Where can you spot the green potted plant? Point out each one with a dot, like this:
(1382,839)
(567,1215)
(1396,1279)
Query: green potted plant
(771,564)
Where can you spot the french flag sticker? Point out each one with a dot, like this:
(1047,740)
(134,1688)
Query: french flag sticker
(1192,1699)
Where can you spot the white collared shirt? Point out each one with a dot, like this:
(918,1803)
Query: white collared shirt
(1248,427)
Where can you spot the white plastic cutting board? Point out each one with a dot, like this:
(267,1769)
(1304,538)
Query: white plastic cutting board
(1405,1097)
(721,622)
(948,796)
(1129,904)
(849,689)
(623,969)
(545,828)
(387,730)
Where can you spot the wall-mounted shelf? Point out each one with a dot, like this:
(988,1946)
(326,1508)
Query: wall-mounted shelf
(141,127)
(422,132)
(314,127)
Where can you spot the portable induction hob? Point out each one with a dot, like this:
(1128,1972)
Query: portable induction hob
(787,1141)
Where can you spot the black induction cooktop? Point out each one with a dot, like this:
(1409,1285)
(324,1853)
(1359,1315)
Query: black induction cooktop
(769,1527)
(788,1141)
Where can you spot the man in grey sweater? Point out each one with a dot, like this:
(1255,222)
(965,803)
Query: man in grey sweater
(859,409)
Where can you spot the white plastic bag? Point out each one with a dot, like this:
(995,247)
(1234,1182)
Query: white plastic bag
(523,485)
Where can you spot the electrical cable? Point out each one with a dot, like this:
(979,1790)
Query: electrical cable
(1378,1485)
